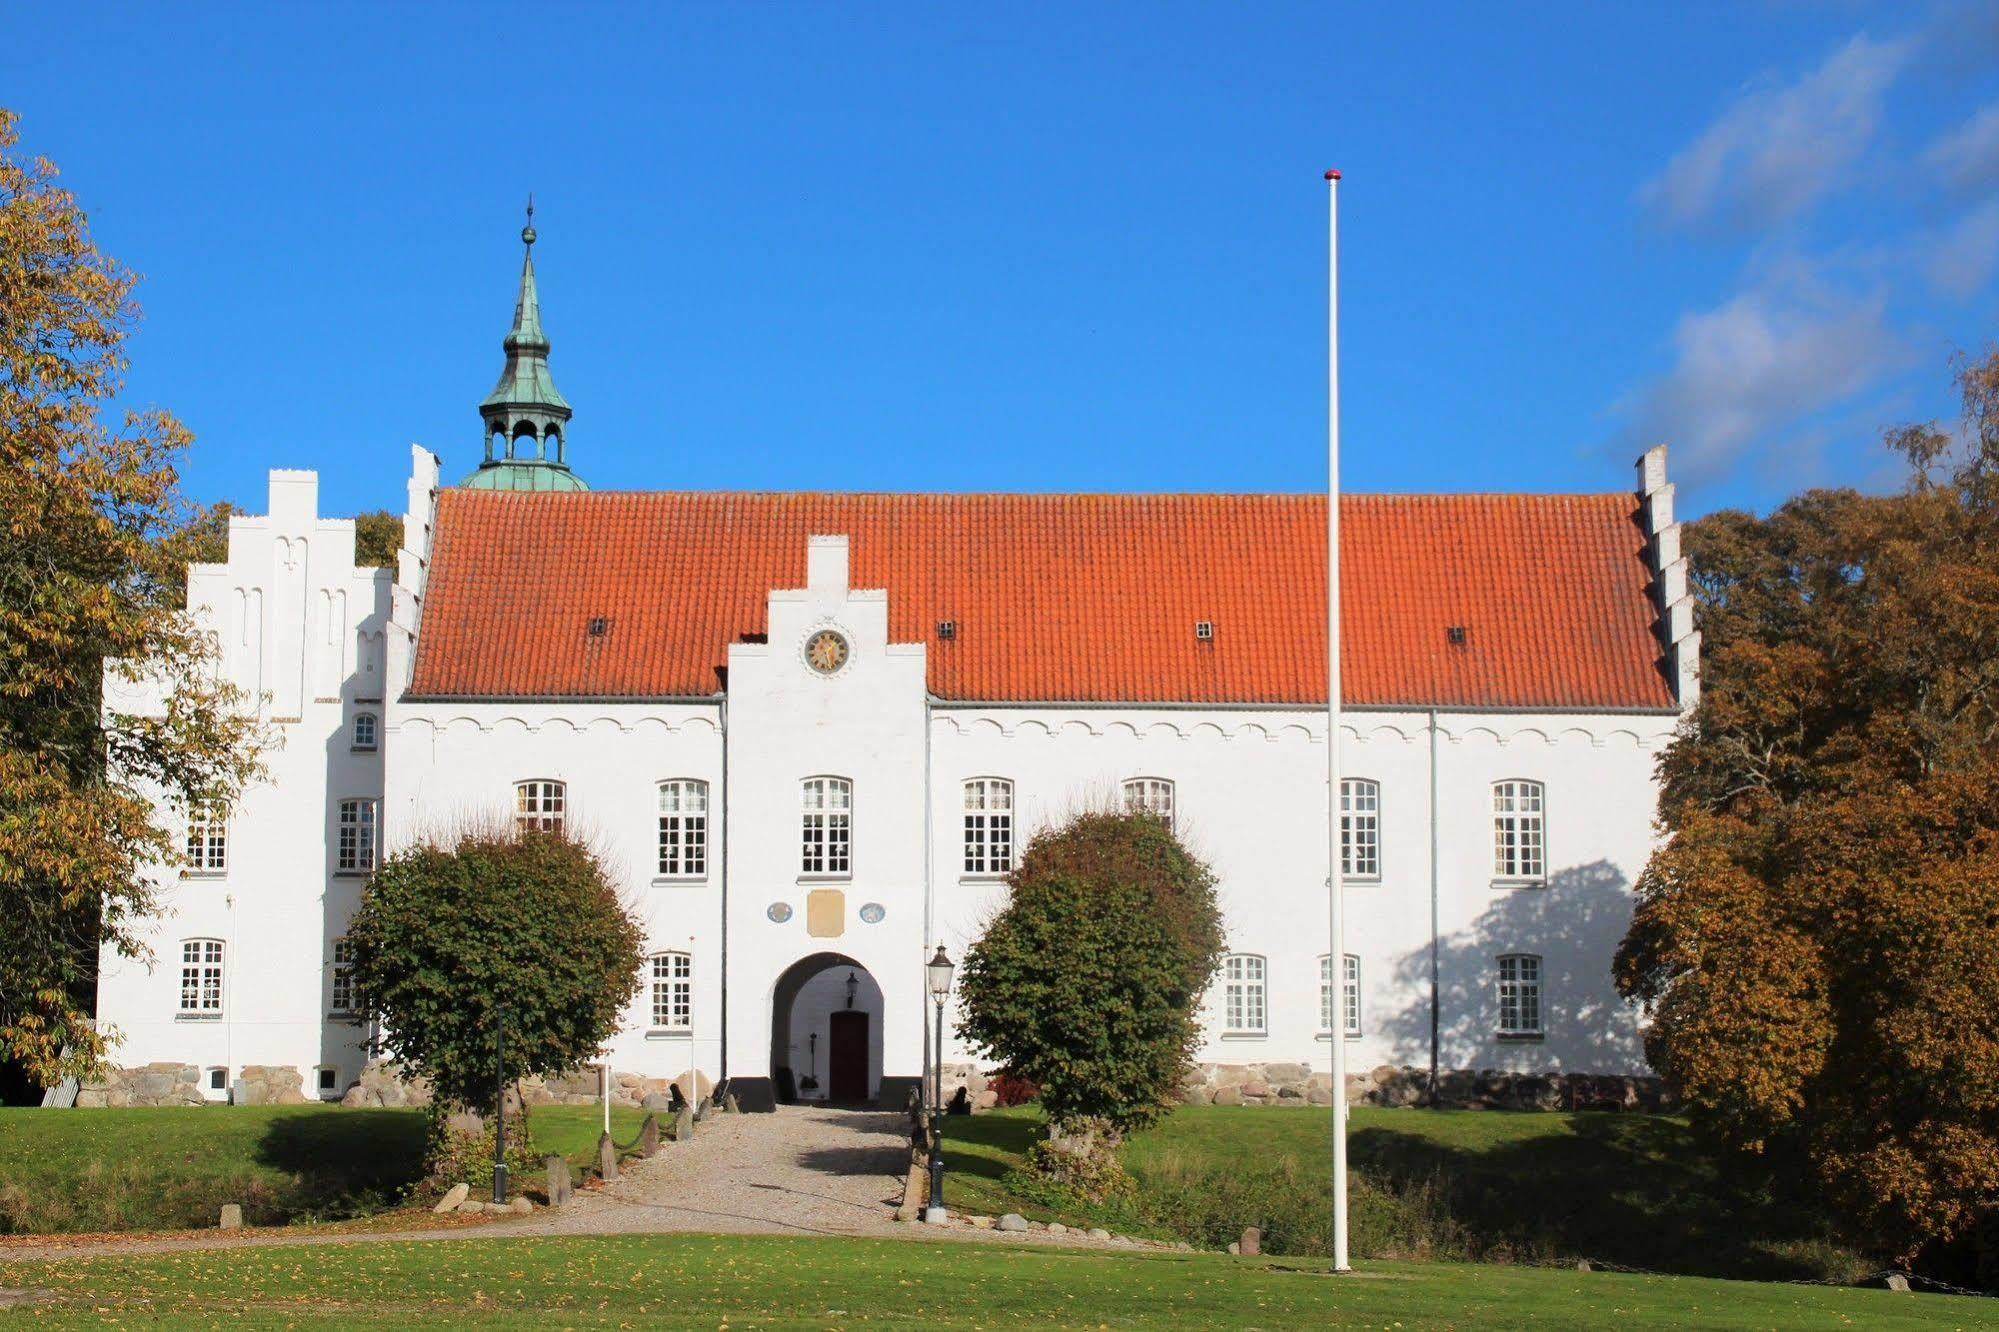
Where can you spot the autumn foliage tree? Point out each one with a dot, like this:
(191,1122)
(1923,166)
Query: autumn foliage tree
(91,576)
(1817,940)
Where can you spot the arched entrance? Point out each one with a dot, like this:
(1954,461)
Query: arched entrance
(826,1032)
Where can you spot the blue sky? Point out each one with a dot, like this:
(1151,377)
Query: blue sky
(1042,247)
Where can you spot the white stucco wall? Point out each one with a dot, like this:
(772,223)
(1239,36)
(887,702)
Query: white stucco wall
(1249,795)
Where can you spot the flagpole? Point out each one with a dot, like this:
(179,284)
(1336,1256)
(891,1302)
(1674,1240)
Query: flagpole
(1336,963)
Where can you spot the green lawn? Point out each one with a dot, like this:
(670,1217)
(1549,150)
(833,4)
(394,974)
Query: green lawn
(158,1169)
(771,1282)
(1635,1190)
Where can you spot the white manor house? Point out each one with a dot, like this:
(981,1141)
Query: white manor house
(812,732)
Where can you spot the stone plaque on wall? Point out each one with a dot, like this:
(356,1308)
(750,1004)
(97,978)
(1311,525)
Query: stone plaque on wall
(826,913)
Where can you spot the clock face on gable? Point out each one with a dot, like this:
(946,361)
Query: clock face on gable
(826,651)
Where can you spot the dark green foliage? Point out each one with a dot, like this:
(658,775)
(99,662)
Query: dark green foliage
(1087,982)
(445,936)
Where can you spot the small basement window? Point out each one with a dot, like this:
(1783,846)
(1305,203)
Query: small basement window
(327,1078)
(218,1079)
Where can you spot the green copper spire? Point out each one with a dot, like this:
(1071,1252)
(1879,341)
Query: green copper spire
(527,420)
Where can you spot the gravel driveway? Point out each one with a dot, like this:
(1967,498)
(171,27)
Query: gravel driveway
(801,1170)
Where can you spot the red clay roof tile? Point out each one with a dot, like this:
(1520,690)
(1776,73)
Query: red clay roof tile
(1084,598)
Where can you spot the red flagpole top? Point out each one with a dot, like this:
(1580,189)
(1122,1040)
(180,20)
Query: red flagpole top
(1332,175)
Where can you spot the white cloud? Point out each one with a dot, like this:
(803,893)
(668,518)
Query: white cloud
(1968,157)
(1962,260)
(1772,153)
(1748,373)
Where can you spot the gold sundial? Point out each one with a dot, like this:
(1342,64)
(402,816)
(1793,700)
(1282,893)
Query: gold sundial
(826,651)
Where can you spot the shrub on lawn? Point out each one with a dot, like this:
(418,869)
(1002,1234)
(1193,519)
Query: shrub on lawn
(520,927)
(1086,984)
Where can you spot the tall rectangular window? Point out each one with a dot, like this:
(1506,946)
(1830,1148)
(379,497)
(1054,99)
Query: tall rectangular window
(1243,993)
(356,848)
(1517,842)
(201,977)
(827,830)
(367,730)
(1150,795)
(683,829)
(1349,994)
(540,806)
(988,825)
(343,977)
(672,991)
(1520,995)
(1360,828)
(208,837)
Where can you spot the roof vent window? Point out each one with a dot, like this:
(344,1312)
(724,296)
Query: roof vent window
(599,626)
(947,628)
(1204,630)
(1456,633)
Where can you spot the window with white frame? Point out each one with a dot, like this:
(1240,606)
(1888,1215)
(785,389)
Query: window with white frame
(201,978)
(827,826)
(1150,795)
(1360,828)
(208,837)
(988,825)
(328,1080)
(540,806)
(367,730)
(1349,994)
(1517,840)
(1243,1009)
(683,829)
(672,991)
(343,977)
(1520,995)
(355,849)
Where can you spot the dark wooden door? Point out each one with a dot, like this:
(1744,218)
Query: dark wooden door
(847,1060)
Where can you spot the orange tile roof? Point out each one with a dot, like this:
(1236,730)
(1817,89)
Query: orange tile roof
(1084,598)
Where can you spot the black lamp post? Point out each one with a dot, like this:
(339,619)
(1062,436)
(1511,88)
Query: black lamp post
(939,970)
(500,1103)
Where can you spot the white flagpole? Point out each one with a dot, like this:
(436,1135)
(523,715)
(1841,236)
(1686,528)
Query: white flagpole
(1334,881)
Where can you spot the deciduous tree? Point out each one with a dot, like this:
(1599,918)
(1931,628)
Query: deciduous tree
(1088,981)
(96,539)
(1817,939)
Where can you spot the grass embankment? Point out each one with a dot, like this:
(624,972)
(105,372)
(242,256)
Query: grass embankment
(773,1282)
(1635,1190)
(167,1169)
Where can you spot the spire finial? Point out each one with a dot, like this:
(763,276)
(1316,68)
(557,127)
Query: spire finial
(527,232)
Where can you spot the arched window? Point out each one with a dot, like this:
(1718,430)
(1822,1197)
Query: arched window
(540,806)
(367,730)
(201,978)
(672,991)
(1150,795)
(208,837)
(1518,843)
(988,825)
(1243,980)
(1360,828)
(1520,995)
(683,829)
(355,851)
(826,833)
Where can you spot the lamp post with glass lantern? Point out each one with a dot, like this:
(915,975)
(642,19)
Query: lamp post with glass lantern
(939,970)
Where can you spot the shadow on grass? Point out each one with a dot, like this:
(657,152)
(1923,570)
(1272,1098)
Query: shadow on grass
(339,1164)
(1630,1189)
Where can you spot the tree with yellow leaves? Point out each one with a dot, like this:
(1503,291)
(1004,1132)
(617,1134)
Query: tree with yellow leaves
(95,535)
